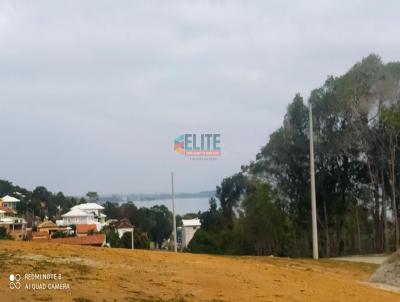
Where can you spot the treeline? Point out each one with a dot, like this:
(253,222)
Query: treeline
(266,209)
(151,224)
(40,202)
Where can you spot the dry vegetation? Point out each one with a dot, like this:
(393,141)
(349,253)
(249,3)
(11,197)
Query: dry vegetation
(389,272)
(97,274)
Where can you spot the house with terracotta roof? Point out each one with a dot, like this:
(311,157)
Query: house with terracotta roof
(124,226)
(50,228)
(15,226)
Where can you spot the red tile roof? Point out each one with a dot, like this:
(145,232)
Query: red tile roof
(124,224)
(85,228)
(97,239)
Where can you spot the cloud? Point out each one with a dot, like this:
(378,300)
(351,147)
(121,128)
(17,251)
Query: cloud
(93,93)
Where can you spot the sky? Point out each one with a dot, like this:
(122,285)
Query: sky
(93,93)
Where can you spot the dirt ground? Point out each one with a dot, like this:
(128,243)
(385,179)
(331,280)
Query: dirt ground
(100,274)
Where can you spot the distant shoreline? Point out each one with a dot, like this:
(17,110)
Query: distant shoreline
(155,196)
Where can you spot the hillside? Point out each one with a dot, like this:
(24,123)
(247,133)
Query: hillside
(96,274)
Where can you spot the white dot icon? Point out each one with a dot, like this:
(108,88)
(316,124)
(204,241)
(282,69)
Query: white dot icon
(12,277)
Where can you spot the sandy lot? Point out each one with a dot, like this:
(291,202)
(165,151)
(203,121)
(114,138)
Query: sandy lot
(99,274)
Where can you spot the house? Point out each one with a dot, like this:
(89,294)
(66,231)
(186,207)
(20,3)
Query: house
(50,228)
(92,208)
(9,202)
(189,227)
(77,216)
(15,226)
(124,226)
(83,214)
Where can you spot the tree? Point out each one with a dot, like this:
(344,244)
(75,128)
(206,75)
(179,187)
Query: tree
(163,227)
(229,195)
(264,222)
(92,196)
(112,238)
(391,118)
(141,241)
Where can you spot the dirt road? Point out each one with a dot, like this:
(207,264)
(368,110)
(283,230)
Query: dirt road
(374,259)
(97,274)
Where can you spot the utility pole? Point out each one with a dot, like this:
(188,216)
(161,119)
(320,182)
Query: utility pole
(133,238)
(312,175)
(173,211)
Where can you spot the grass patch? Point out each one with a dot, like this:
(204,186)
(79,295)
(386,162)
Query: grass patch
(78,267)
(82,299)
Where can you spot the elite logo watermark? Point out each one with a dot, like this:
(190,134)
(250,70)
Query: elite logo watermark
(198,145)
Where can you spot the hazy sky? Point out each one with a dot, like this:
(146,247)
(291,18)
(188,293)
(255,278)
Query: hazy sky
(93,93)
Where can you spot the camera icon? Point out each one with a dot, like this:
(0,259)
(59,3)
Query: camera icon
(14,281)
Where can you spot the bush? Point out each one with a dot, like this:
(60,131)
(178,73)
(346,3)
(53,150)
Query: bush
(60,234)
(4,234)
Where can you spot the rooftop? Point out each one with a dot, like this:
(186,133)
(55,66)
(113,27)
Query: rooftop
(124,224)
(47,224)
(9,198)
(191,222)
(88,206)
(76,213)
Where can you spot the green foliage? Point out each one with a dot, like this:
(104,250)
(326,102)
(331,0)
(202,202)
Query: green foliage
(153,223)
(60,234)
(265,224)
(4,235)
(112,238)
(163,226)
(92,196)
(391,117)
(228,194)
(262,227)
(141,241)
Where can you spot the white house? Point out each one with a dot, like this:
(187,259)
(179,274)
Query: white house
(89,207)
(9,202)
(86,213)
(92,208)
(189,227)
(77,216)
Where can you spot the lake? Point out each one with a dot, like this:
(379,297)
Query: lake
(182,205)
